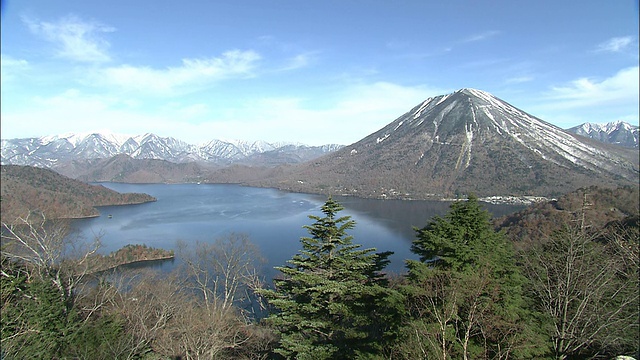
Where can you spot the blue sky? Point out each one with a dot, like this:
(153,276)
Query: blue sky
(316,72)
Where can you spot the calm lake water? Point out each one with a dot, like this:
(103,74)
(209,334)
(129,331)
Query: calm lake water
(272,219)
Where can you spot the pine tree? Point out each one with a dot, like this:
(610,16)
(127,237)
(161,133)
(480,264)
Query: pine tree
(332,301)
(463,239)
(466,290)
(35,318)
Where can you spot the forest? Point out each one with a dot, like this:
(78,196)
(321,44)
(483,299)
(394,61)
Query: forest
(24,189)
(556,281)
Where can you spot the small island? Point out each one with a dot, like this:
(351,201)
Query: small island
(129,254)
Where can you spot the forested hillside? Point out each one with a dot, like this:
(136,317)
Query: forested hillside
(594,207)
(26,189)
(123,168)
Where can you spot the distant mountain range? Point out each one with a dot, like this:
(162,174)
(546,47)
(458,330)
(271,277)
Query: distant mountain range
(450,145)
(617,133)
(465,142)
(56,151)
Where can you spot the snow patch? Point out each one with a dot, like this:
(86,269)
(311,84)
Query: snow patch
(419,111)
(379,140)
(443,98)
(465,151)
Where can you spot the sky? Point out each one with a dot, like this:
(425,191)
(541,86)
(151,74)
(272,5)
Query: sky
(314,72)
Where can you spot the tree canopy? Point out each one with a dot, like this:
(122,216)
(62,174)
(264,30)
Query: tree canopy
(331,301)
(463,239)
(571,293)
(465,294)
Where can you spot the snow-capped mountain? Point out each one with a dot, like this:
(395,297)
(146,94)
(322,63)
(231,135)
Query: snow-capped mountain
(465,142)
(50,151)
(236,149)
(617,133)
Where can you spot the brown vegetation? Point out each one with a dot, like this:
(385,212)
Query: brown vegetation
(593,206)
(26,189)
(123,168)
(128,254)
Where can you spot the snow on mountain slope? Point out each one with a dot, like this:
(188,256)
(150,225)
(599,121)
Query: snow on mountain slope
(48,151)
(488,116)
(465,142)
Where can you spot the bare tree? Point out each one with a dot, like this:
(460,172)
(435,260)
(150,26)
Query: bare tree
(223,272)
(435,308)
(148,302)
(576,284)
(198,332)
(452,312)
(161,317)
(49,249)
(624,244)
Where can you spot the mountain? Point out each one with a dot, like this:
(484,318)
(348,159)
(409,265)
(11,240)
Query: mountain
(25,189)
(617,133)
(288,154)
(124,168)
(465,142)
(53,151)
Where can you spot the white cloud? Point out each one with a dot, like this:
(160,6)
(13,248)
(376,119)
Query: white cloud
(299,61)
(192,74)
(584,92)
(446,49)
(519,79)
(589,100)
(74,38)
(481,36)
(195,110)
(291,56)
(10,66)
(73,111)
(361,110)
(616,44)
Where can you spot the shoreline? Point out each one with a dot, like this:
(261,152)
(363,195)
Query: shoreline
(113,267)
(95,207)
(493,199)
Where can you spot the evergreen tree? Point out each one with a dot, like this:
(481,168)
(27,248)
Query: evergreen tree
(332,301)
(466,291)
(463,239)
(37,322)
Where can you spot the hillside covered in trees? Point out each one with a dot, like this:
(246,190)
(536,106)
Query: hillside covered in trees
(571,293)
(128,254)
(26,189)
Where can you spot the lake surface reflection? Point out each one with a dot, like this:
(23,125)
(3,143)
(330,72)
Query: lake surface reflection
(272,219)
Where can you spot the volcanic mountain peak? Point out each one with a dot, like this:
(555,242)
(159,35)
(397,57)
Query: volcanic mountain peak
(468,141)
(471,118)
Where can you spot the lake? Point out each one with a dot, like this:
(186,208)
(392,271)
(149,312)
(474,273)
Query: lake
(272,219)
